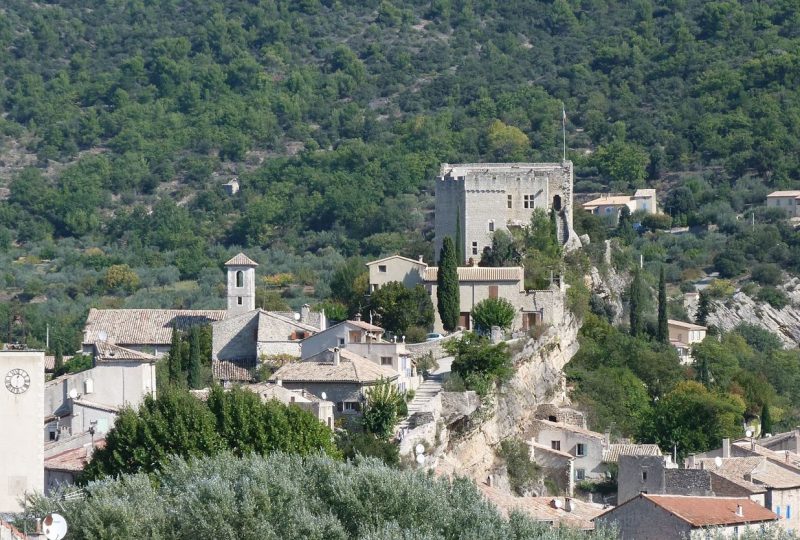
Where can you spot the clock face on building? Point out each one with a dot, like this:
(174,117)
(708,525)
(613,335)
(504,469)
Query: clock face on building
(17,381)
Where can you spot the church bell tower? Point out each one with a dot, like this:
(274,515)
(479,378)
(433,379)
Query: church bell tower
(241,284)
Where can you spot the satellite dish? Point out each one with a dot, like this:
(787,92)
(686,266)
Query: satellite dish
(419,449)
(54,526)
(102,335)
(73,394)
(718,462)
(323,395)
(421,459)
(557,503)
(297,316)
(749,433)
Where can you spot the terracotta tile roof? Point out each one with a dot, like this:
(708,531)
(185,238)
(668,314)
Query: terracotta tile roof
(543,509)
(240,370)
(142,326)
(241,259)
(314,321)
(785,459)
(16,534)
(352,368)
(262,324)
(108,352)
(50,361)
(569,427)
(614,200)
(688,325)
(395,257)
(480,273)
(365,326)
(95,405)
(736,470)
(711,511)
(73,460)
(790,193)
(612,453)
(778,437)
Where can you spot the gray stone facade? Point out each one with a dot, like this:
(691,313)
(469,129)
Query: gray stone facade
(480,198)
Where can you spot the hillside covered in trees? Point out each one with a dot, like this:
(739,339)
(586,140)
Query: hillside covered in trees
(122,120)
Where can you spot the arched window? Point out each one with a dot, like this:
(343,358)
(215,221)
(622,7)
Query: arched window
(557,203)
(240,278)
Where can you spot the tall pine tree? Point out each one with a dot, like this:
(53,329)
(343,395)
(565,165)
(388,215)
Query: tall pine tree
(447,294)
(174,358)
(636,301)
(663,329)
(195,377)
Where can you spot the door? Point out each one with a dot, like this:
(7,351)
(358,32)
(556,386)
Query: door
(463,320)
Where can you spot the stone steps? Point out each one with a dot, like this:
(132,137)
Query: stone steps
(423,395)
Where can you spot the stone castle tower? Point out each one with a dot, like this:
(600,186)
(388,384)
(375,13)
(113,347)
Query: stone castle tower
(474,200)
(241,284)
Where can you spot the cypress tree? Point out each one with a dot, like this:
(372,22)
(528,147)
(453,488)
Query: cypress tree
(195,378)
(766,421)
(447,294)
(663,330)
(174,358)
(636,293)
(554,227)
(703,309)
(58,364)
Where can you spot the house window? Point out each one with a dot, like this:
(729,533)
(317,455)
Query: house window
(492,291)
(555,445)
(386,360)
(644,476)
(778,510)
(382,268)
(341,341)
(352,406)
(474,248)
(552,419)
(510,201)
(580,450)
(788,511)
(52,435)
(527,201)
(239,300)
(491,225)
(580,474)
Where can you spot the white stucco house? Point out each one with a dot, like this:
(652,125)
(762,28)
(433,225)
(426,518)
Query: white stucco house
(785,200)
(682,335)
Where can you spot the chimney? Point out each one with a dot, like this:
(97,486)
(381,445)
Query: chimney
(490,480)
(419,258)
(336,357)
(357,317)
(726,448)
(279,382)
(304,311)
(739,510)
(569,505)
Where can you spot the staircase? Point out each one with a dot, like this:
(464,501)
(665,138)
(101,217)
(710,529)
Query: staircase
(562,228)
(424,395)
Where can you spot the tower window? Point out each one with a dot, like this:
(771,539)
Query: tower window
(240,279)
(239,300)
(491,225)
(474,248)
(527,201)
(510,202)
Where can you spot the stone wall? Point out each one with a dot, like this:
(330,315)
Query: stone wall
(235,338)
(564,415)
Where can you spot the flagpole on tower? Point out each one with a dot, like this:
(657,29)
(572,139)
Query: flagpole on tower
(564,128)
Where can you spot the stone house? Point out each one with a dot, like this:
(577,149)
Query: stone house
(610,205)
(475,283)
(682,335)
(666,517)
(77,402)
(473,200)
(256,334)
(787,441)
(554,511)
(557,466)
(66,458)
(336,375)
(786,200)
(593,452)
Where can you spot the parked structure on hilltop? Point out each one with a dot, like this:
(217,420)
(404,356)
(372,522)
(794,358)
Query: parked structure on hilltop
(786,200)
(473,200)
(475,283)
(610,205)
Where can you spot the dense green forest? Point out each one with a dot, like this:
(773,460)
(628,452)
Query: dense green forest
(122,120)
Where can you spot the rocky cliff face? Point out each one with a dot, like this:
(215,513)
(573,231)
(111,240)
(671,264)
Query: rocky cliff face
(538,379)
(785,323)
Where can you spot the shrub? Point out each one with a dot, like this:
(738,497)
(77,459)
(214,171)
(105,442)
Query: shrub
(774,297)
(384,407)
(766,274)
(480,363)
(493,312)
(367,445)
(427,363)
(523,472)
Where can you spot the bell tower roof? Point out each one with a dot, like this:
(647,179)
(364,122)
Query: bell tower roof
(241,260)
